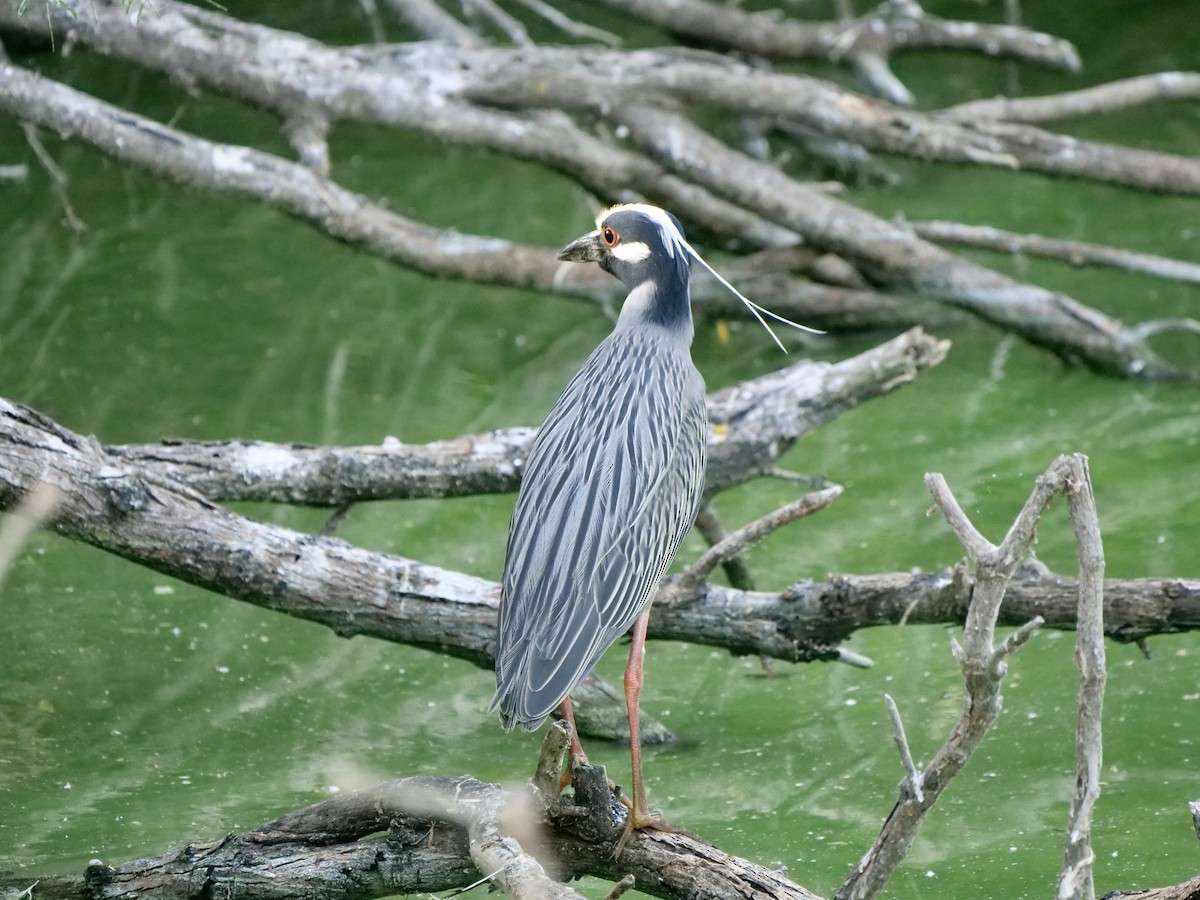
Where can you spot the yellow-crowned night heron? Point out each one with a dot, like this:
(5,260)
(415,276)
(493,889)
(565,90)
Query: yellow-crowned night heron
(612,484)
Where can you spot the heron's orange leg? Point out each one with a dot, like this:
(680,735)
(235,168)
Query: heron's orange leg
(577,757)
(639,814)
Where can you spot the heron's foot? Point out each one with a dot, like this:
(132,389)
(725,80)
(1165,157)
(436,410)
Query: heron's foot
(643,820)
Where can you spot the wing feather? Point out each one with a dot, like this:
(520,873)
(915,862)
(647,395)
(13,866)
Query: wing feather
(611,486)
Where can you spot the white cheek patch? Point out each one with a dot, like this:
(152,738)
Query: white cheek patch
(631,251)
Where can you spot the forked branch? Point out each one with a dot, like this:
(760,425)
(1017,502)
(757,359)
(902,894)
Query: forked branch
(984,665)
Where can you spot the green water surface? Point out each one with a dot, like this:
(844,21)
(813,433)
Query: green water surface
(137,713)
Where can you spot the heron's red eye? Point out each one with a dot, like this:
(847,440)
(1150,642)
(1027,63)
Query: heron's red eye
(610,236)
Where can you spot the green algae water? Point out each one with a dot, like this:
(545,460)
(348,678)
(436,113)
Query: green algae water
(137,713)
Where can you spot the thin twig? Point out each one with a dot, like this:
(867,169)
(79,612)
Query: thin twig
(747,536)
(1075,253)
(1014,642)
(709,524)
(334,522)
(57,176)
(571,26)
(1103,98)
(890,27)
(491,11)
(912,773)
(429,20)
(973,542)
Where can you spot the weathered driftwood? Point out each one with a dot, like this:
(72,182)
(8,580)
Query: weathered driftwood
(434,88)
(1097,100)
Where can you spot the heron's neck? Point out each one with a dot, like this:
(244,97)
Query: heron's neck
(651,303)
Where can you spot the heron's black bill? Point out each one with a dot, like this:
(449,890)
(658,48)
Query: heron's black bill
(589,248)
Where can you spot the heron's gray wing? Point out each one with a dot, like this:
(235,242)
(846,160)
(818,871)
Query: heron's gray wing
(610,488)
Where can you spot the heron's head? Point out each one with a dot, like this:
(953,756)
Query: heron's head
(637,243)
(644,246)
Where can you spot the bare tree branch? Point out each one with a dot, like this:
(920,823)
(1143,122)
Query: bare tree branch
(570,26)
(688,582)
(1076,253)
(1075,881)
(708,523)
(984,665)
(890,254)
(602,81)
(305,81)
(429,20)
(1103,98)
(890,27)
